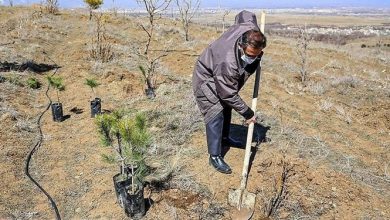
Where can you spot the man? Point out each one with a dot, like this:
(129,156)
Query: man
(219,74)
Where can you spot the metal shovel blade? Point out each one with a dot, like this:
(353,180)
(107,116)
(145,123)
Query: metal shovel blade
(242,214)
(246,208)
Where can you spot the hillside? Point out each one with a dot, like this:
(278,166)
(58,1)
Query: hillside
(330,139)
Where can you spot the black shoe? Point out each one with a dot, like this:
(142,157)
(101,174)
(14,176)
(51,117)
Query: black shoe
(220,165)
(232,142)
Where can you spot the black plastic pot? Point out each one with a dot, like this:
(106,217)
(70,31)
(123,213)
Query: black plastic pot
(150,93)
(96,107)
(2,79)
(133,204)
(56,110)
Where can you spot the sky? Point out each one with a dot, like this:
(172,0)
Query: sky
(234,3)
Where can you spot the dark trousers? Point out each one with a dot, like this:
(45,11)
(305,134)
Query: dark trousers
(217,130)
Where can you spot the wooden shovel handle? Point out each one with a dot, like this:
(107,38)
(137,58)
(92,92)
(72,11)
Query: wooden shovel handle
(250,132)
(252,125)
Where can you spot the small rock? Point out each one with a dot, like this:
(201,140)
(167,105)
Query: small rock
(78,210)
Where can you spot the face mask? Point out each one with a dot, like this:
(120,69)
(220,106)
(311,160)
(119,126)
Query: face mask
(247,60)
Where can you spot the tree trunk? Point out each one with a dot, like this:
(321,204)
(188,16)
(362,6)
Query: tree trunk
(150,34)
(150,90)
(58,97)
(186,32)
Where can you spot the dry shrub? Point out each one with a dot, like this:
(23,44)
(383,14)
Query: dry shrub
(302,47)
(325,105)
(313,149)
(343,114)
(346,81)
(179,117)
(172,122)
(275,198)
(317,88)
(51,6)
(101,48)
(163,31)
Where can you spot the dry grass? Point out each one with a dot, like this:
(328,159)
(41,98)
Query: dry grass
(346,82)
(316,152)
(325,105)
(343,114)
(172,122)
(317,88)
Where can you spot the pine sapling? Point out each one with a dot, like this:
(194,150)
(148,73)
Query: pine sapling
(57,83)
(92,83)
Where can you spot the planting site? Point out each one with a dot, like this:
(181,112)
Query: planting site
(321,144)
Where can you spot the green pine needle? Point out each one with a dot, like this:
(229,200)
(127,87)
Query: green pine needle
(92,83)
(109,158)
(56,82)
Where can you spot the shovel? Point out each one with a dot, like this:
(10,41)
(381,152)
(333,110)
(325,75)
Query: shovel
(241,198)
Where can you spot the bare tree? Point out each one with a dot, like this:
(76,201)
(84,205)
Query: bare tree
(226,12)
(149,66)
(304,39)
(11,3)
(149,60)
(153,7)
(149,72)
(51,6)
(187,9)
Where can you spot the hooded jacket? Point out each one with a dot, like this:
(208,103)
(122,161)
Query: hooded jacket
(219,72)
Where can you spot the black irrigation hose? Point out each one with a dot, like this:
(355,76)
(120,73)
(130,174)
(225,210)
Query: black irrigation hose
(37,145)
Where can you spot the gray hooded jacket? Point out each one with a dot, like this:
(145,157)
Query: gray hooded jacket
(219,72)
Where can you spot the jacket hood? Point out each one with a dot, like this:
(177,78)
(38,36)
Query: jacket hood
(246,17)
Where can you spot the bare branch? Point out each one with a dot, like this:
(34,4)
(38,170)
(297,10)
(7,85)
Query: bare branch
(187,10)
(152,7)
(147,32)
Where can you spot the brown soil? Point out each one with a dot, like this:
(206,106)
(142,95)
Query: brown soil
(328,150)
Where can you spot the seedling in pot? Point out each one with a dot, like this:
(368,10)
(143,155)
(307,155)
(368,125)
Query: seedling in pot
(92,83)
(96,102)
(57,83)
(56,107)
(129,139)
(135,140)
